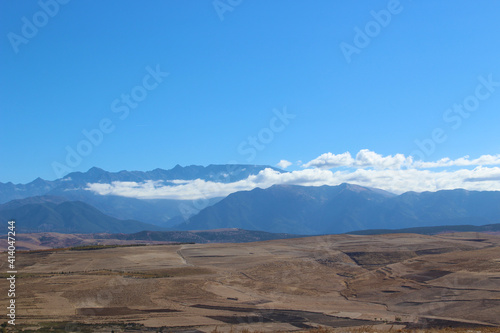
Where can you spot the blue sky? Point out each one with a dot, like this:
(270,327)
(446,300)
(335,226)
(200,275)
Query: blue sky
(230,72)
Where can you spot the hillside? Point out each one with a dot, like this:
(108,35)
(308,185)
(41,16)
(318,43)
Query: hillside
(382,283)
(67,217)
(51,240)
(488,228)
(345,208)
(294,209)
(206,236)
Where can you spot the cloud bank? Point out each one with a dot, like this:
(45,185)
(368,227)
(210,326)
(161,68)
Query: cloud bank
(369,159)
(395,174)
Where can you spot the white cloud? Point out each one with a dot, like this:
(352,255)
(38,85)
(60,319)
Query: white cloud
(368,159)
(462,161)
(283,164)
(364,159)
(396,174)
(396,181)
(329,160)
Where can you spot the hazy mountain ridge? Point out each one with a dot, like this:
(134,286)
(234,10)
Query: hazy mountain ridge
(224,173)
(154,211)
(66,217)
(345,208)
(487,228)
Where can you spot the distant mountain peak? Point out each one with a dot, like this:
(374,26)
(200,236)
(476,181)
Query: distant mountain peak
(94,170)
(353,187)
(359,189)
(38,181)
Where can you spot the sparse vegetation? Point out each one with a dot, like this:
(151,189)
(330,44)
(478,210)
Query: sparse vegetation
(100,247)
(241,284)
(63,327)
(80,248)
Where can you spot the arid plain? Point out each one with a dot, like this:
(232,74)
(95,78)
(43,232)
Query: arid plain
(386,282)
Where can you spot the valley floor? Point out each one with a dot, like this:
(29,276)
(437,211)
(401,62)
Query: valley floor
(340,281)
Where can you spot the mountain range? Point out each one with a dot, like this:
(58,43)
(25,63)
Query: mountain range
(339,209)
(54,214)
(64,205)
(161,212)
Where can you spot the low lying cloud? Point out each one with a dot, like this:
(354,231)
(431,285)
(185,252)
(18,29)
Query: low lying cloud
(183,190)
(395,174)
(392,180)
(202,189)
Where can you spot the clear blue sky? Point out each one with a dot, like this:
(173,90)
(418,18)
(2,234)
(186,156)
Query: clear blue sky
(226,77)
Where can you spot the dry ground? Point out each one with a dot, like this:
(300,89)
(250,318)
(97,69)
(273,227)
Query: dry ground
(383,282)
(50,240)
